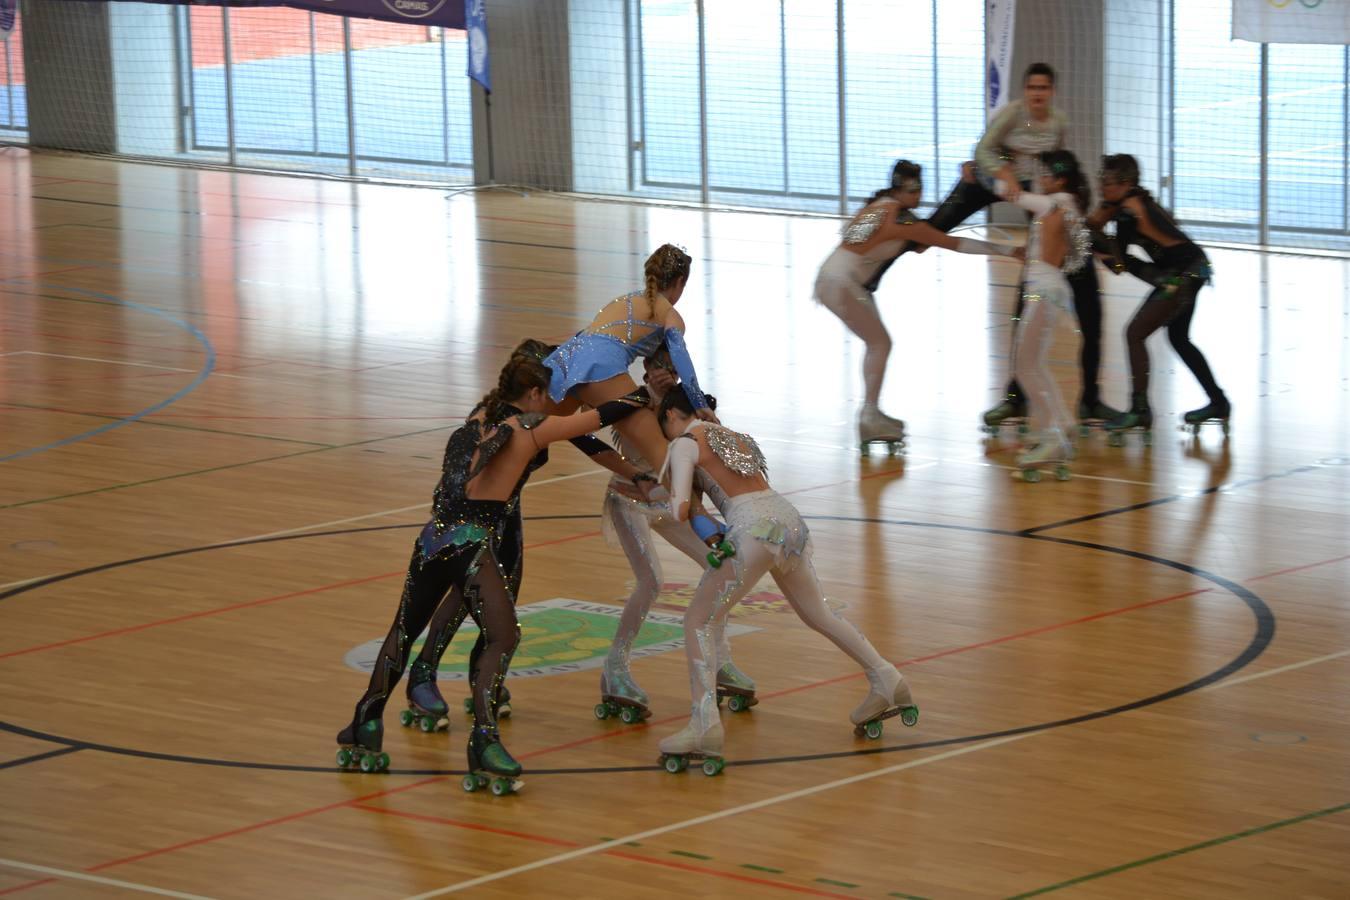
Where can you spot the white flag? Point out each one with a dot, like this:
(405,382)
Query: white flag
(1292,21)
(998,47)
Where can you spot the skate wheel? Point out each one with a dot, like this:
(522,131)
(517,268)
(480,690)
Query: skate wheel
(369,763)
(909,716)
(384,762)
(1224,427)
(1084,430)
(468,706)
(736,703)
(1115,439)
(628,715)
(1062,473)
(344,757)
(504,710)
(1148,438)
(674,764)
(872,730)
(712,767)
(601,711)
(501,787)
(470,784)
(1023,428)
(427,724)
(405,718)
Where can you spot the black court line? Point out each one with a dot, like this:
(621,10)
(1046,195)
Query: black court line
(1169,499)
(23,761)
(1262,636)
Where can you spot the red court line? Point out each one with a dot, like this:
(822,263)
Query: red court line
(26,885)
(1300,568)
(249,603)
(621,854)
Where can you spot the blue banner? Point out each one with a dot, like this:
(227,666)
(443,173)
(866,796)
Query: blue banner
(476,24)
(439,13)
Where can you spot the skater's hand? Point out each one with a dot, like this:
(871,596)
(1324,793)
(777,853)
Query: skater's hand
(917,248)
(968,172)
(660,381)
(632,492)
(707,415)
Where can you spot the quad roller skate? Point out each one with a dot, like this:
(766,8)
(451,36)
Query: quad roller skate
(736,688)
(1012,411)
(888,697)
(875,427)
(503,710)
(1215,411)
(490,765)
(427,709)
(704,748)
(1094,415)
(1053,452)
(721,551)
(621,697)
(359,747)
(1139,418)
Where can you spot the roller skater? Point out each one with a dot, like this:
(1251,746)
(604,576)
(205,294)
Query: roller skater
(875,236)
(770,537)
(1179,269)
(1058,243)
(455,557)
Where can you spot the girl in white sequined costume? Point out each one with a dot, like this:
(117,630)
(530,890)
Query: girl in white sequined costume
(768,535)
(628,522)
(875,237)
(1058,244)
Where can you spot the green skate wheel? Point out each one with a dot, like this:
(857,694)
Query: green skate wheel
(601,711)
(1224,427)
(712,767)
(405,718)
(501,787)
(872,730)
(504,710)
(628,715)
(344,757)
(427,724)
(1023,428)
(1148,438)
(384,762)
(736,703)
(1062,473)
(909,716)
(369,763)
(1031,476)
(1084,430)
(468,706)
(470,784)
(673,764)
(1115,439)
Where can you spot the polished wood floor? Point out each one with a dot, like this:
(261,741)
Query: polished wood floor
(224,399)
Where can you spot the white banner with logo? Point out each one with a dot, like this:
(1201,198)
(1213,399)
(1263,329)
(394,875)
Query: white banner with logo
(1292,21)
(998,48)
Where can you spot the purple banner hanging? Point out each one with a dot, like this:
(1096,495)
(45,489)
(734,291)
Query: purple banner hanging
(8,9)
(438,13)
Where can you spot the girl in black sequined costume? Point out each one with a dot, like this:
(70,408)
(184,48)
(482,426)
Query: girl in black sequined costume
(456,562)
(1179,269)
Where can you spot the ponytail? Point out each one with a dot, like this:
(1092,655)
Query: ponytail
(524,370)
(667,265)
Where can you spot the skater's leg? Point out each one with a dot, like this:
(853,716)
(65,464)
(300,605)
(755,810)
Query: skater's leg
(717,592)
(634,534)
(1179,334)
(494,609)
(857,309)
(1087,305)
(1050,417)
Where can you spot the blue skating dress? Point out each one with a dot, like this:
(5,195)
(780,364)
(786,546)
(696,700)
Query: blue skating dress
(594,355)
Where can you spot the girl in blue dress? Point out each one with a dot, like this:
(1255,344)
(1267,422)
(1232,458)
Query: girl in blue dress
(592,367)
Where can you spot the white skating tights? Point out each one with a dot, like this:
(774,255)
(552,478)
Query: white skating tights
(857,309)
(1047,292)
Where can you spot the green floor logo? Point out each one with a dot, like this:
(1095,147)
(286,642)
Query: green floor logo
(556,636)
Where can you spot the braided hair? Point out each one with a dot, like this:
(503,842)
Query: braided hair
(1063,164)
(524,370)
(1122,168)
(667,265)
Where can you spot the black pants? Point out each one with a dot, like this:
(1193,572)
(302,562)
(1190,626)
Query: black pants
(456,582)
(968,198)
(1170,304)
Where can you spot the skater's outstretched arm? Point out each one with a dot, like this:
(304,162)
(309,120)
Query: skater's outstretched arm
(682,459)
(923,234)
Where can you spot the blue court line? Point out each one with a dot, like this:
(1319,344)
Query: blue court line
(207,366)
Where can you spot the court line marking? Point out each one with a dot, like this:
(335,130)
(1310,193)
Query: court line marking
(97,879)
(208,364)
(98,359)
(804,792)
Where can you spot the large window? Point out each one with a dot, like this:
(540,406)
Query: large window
(13,97)
(745,106)
(284,88)
(1197,108)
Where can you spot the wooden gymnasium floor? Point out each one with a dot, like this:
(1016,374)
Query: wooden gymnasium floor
(224,402)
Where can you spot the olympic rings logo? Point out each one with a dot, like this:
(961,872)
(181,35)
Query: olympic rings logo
(1306,4)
